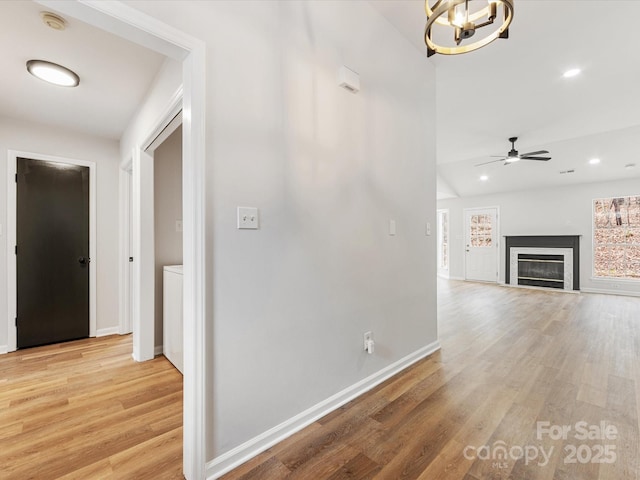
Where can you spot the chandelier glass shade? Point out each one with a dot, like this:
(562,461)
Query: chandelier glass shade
(461,19)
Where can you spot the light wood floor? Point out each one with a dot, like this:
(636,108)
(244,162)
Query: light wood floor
(510,358)
(86,410)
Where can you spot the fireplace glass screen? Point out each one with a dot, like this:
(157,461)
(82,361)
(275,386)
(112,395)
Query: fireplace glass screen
(539,270)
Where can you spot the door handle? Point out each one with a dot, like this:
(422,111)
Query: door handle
(84,260)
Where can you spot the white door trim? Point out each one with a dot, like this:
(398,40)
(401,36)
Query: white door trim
(129,23)
(142,225)
(464,240)
(125,251)
(137,287)
(443,272)
(12,218)
(143,278)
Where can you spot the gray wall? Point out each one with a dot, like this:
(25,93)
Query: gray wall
(554,211)
(167,189)
(289,303)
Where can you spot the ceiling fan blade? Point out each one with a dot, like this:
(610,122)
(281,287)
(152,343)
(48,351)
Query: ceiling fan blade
(539,152)
(492,161)
(544,159)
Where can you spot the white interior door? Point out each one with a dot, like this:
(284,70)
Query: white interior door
(481,244)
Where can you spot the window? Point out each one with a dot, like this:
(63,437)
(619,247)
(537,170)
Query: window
(616,237)
(481,230)
(443,239)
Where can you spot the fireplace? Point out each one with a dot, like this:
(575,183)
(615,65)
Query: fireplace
(542,267)
(543,261)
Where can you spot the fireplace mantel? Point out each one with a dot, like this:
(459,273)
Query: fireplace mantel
(545,241)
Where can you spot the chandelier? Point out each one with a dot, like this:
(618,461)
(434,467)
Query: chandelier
(464,21)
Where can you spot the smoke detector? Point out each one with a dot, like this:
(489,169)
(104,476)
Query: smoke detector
(54,21)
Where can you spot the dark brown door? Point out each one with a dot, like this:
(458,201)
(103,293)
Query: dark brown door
(52,252)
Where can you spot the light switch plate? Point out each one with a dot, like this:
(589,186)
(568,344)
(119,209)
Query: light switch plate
(178,226)
(248,218)
(392,227)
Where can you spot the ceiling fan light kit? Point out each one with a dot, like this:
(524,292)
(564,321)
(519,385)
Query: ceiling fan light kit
(464,22)
(514,156)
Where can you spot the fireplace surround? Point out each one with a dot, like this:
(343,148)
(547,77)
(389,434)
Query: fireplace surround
(549,261)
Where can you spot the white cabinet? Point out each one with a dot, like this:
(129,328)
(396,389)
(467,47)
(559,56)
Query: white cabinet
(173,346)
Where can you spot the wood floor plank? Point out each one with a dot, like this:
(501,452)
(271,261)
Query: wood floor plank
(85,410)
(269,468)
(510,358)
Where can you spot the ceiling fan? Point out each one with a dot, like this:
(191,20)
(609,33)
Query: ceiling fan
(514,156)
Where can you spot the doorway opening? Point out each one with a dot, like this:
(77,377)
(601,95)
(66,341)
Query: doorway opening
(131,24)
(167,187)
(443,243)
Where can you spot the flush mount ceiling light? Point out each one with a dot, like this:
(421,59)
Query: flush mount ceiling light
(463,20)
(53,73)
(484,178)
(594,161)
(572,73)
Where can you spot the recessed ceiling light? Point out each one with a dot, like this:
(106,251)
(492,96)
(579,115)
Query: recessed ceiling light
(484,178)
(594,161)
(571,73)
(53,73)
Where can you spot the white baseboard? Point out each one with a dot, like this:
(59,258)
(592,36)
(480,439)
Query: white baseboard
(157,350)
(604,291)
(240,454)
(4,349)
(103,332)
(456,278)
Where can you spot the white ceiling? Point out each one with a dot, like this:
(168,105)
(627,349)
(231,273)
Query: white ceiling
(114,74)
(515,87)
(512,87)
